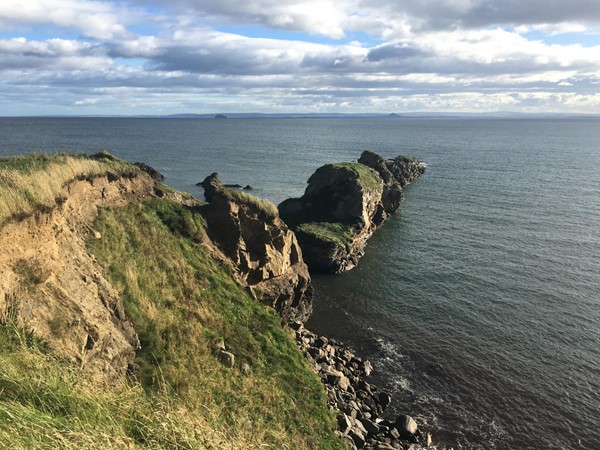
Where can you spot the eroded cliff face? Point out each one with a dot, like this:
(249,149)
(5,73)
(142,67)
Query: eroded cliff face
(50,284)
(262,249)
(343,205)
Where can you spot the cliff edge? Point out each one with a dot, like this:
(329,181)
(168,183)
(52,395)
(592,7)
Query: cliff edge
(263,250)
(123,324)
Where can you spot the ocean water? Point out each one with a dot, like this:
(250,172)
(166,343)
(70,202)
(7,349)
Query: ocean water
(478,302)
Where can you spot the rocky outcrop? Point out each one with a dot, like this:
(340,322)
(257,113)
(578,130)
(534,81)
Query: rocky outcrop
(343,205)
(51,284)
(262,249)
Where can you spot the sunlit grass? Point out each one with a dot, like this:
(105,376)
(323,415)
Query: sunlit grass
(37,182)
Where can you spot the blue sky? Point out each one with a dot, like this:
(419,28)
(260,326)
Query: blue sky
(379,56)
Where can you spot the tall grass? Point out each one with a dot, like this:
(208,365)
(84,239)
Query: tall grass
(37,182)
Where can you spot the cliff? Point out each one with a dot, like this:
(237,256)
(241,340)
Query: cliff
(263,250)
(123,324)
(343,205)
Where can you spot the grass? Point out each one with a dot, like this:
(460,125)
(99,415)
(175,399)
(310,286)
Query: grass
(367,177)
(262,205)
(334,232)
(36,182)
(181,303)
(45,403)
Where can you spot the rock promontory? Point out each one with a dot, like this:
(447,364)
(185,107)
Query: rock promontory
(343,205)
(263,250)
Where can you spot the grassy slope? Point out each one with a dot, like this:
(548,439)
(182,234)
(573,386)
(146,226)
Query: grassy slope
(181,302)
(36,182)
(367,177)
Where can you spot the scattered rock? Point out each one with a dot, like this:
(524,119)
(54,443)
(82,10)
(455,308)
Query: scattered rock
(344,423)
(246,368)
(359,404)
(227,358)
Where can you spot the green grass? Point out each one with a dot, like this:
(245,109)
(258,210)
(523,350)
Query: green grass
(45,403)
(264,206)
(367,177)
(334,232)
(37,182)
(181,303)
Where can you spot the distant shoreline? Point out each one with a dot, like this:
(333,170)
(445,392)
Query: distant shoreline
(417,115)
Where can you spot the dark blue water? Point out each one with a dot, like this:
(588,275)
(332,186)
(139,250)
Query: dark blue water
(479,302)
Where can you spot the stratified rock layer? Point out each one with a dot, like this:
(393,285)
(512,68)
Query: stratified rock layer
(263,250)
(343,205)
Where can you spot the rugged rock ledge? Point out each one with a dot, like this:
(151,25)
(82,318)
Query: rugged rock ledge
(263,250)
(343,205)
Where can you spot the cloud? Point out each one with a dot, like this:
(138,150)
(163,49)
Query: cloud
(96,19)
(167,56)
(326,17)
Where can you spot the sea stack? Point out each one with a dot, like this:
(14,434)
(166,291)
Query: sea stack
(343,205)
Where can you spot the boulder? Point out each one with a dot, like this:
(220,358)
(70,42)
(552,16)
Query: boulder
(227,358)
(344,423)
(384,400)
(370,426)
(358,438)
(406,426)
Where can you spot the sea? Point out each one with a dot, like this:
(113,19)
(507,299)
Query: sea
(478,302)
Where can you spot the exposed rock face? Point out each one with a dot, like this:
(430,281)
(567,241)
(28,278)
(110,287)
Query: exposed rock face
(49,283)
(261,247)
(343,205)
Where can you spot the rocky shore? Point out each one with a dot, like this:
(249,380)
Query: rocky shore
(344,203)
(360,406)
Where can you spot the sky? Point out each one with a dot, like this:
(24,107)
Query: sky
(131,57)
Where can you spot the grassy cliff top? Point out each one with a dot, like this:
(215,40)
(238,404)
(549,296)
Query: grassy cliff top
(366,176)
(36,182)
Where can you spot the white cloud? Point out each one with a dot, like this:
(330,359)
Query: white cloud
(96,19)
(432,55)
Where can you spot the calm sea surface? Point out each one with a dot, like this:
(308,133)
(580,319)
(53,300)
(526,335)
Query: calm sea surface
(479,302)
